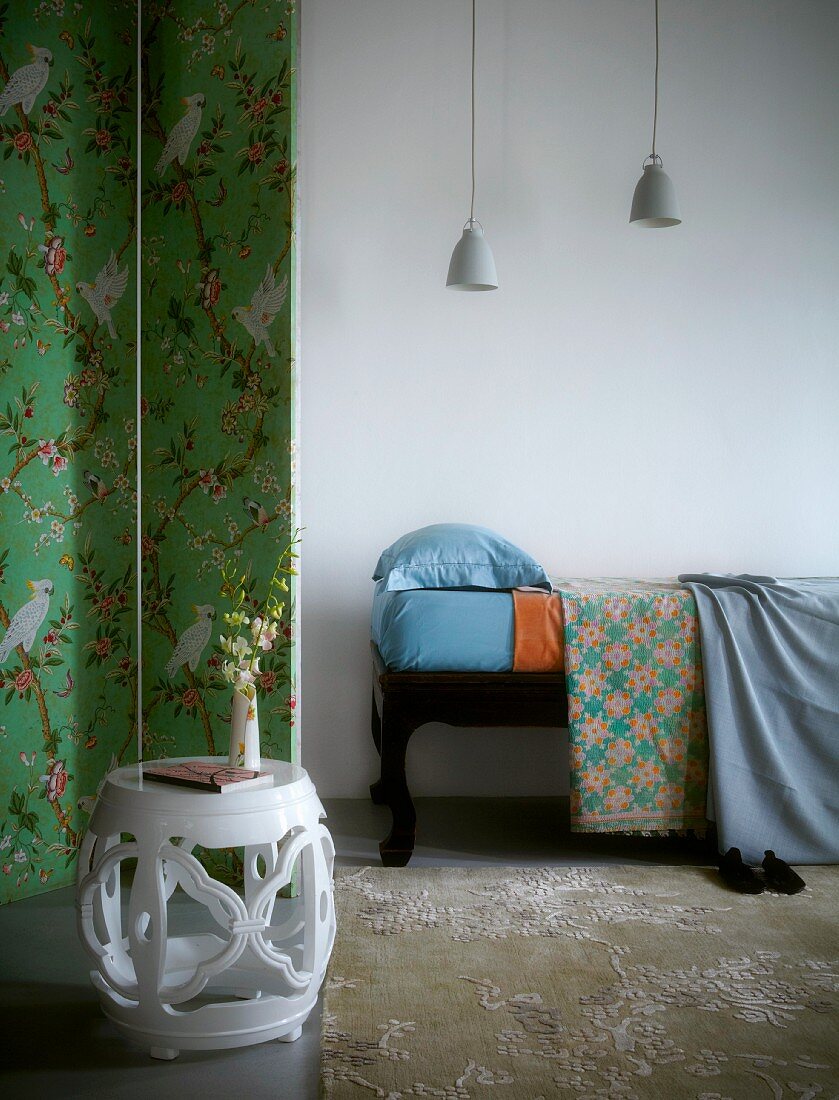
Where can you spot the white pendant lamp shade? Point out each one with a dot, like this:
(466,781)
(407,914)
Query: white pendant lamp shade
(654,204)
(472,266)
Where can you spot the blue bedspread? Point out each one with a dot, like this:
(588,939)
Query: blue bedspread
(770,651)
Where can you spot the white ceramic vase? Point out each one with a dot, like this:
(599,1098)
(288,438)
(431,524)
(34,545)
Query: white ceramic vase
(244,728)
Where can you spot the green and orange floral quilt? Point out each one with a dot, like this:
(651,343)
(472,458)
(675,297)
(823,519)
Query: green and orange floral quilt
(636,706)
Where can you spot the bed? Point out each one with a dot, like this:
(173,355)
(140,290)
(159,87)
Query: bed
(615,661)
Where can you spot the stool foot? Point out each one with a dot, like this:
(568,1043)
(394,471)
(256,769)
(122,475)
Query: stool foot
(291,1036)
(164,1054)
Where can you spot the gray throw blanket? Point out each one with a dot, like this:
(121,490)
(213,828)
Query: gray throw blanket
(770,653)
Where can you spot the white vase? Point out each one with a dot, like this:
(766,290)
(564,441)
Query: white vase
(244,728)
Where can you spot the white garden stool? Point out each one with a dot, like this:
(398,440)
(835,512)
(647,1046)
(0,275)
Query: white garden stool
(255,977)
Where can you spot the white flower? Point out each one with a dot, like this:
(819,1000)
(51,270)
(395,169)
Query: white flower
(5,843)
(235,618)
(237,647)
(4,297)
(17,318)
(230,671)
(20,856)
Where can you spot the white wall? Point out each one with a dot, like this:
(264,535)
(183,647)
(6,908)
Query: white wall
(630,401)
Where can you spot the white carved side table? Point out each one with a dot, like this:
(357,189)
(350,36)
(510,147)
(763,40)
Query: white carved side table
(256,976)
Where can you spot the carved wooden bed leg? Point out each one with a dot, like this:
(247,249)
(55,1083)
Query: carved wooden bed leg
(377,789)
(397,847)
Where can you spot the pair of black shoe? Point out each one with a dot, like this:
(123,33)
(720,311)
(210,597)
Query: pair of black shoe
(776,874)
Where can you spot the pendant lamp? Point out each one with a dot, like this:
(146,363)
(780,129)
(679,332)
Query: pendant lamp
(654,204)
(472,266)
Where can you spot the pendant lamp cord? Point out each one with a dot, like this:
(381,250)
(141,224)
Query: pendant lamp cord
(655,108)
(472,202)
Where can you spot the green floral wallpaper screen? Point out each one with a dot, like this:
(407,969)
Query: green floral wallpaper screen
(217,83)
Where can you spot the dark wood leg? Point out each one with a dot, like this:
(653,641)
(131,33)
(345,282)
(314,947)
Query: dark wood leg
(375,724)
(377,789)
(398,845)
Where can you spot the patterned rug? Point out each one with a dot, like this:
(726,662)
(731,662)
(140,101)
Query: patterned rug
(608,982)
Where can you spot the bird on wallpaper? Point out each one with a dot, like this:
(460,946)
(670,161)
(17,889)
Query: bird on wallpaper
(95,483)
(26,623)
(104,294)
(191,643)
(266,303)
(182,134)
(27,82)
(256,511)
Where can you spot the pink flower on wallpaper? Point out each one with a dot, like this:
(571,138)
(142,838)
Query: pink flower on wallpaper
(23,680)
(55,780)
(55,256)
(59,464)
(47,450)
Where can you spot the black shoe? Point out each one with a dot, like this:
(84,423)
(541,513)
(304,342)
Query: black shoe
(737,875)
(781,876)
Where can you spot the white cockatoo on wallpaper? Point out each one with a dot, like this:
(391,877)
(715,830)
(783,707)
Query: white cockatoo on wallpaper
(27,622)
(26,83)
(191,643)
(104,294)
(266,303)
(182,134)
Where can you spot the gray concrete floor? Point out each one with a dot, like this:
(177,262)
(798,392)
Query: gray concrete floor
(56,1042)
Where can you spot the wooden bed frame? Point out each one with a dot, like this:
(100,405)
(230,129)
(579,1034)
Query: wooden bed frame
(404,701)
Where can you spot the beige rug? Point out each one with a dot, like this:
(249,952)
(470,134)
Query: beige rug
(601,983)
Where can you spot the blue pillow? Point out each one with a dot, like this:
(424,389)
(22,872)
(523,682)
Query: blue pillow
(457,555)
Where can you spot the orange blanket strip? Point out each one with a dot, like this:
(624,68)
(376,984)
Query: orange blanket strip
(538,645)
